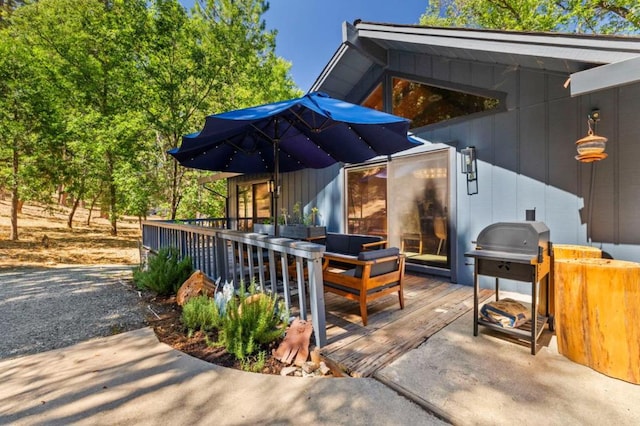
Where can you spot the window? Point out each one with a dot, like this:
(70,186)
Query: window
(254,202)
(374,100)
(367,200)
(425,104)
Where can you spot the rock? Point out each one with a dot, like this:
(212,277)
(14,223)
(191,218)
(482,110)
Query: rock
(197,284)
(288,371)
(309,367)
(324,369)
(315,356)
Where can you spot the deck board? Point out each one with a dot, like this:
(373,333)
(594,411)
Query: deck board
(430,304)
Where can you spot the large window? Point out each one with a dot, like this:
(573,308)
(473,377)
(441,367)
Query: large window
(367,200)
(425,104)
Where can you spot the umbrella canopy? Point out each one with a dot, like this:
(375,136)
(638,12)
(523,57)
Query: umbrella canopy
(314,131)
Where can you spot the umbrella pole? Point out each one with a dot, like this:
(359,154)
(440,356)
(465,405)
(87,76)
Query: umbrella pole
(276,184)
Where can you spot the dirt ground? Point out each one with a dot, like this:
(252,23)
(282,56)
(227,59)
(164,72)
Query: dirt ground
(91,245)
(82,245)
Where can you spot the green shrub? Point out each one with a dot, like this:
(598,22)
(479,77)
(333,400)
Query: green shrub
(254,364)
(166,272)
(201,313)
(252,319)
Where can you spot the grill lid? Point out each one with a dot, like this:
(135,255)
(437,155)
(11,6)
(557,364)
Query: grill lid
(524,238)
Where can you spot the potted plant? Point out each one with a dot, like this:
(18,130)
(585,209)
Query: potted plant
(301,226)
(265,226)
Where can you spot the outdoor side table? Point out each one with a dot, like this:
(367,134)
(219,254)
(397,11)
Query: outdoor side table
(597,311)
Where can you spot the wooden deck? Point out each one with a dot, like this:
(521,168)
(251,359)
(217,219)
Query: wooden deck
(430,304)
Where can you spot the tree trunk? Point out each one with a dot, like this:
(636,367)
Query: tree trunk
(93,204)
(15,205)
(73,212)
(563,251)
(113,212)
(174,191)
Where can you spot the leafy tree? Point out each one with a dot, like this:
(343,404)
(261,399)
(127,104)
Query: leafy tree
(105,88)
(578,16)
(28,119)
(6,9)
(218,58)
(96,44)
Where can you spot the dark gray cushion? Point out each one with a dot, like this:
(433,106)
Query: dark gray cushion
(378,254)
(337,243)
(356,242)
(379,268)
(350,244)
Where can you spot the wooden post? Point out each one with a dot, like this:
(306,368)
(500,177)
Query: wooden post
(316,296)
(598,306)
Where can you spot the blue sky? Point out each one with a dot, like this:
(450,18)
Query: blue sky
(310,31)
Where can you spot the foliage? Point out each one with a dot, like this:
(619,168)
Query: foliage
(254,364)
(298,217)
(165,272)
(201,313)
(574,16)
(216,59)
(93,94)
(204,200)
(29,122)
(252,319)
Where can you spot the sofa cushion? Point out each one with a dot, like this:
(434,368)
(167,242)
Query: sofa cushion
(379,268)
(378,254)
(356,242)
(337,243)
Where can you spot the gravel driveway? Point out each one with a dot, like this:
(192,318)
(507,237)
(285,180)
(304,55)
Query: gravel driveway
(49,308)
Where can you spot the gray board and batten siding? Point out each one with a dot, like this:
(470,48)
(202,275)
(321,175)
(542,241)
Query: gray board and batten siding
(525,150)
(526,156)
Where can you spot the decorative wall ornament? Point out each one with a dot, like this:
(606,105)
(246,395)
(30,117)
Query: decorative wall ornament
(591,147)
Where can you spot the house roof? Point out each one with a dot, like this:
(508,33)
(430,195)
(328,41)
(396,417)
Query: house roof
(593,61)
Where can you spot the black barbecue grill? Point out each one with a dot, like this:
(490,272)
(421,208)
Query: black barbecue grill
(519,251)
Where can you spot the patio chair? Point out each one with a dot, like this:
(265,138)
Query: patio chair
(374,274)
(440,231)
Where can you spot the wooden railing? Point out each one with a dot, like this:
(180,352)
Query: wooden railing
(274,264)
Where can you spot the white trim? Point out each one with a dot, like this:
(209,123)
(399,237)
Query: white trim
(586,41)
(521,45)
(606,76)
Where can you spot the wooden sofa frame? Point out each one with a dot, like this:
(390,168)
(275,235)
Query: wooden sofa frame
(361,283)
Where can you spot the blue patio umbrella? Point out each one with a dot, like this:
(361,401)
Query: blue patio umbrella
(314,131)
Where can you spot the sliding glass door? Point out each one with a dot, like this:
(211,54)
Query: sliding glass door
(407,202)
(419,207)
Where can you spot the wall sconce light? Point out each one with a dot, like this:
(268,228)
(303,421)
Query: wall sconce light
(469,166)
(591,147)
(271,185)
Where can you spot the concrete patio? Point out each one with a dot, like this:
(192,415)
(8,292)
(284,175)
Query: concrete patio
(132,378)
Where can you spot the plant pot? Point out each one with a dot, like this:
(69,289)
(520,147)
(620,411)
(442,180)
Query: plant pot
(264,228)
(302,232)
